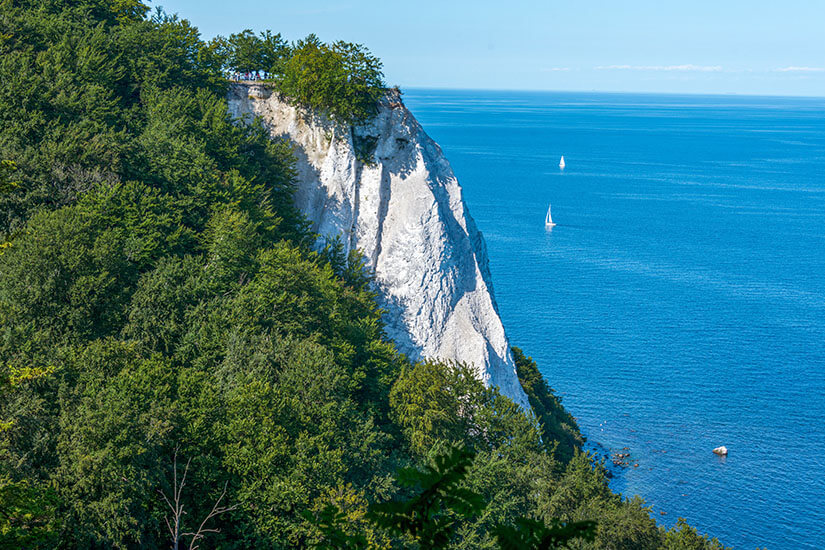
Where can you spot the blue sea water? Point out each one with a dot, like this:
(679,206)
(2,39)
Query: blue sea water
(679,304)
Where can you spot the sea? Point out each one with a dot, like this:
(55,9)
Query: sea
(679,303)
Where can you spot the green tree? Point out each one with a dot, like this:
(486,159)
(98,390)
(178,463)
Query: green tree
(436,503)
(28,505)
(582,493)
(557,425)
(684,537)
(439,500)
(250,52)
(427,402)
(343,80)
(7,167)
(117,426)
(529,534)
(28,515)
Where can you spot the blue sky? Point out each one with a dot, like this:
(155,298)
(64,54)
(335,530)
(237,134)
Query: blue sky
(697,46)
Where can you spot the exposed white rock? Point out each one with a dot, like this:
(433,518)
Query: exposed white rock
(406,214)
(721,451)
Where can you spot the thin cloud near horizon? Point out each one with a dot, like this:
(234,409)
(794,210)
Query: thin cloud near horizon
(688,67)
(706,69)
(794,69)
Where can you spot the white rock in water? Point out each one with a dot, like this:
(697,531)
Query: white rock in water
(721,451)
(406,213)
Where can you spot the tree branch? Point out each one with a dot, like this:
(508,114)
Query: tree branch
(216,511)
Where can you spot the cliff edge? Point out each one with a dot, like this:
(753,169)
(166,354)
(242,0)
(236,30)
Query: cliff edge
(386,189)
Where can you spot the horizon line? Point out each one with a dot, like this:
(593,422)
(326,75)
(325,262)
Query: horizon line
(594,91)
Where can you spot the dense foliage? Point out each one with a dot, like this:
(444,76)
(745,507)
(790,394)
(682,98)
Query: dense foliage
(558,427)
(247,52)
(342,80)
(161,311)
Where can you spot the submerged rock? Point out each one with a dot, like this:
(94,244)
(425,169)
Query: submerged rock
(386,189)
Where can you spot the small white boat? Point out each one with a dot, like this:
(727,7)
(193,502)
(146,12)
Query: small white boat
(548,221)
(561,163)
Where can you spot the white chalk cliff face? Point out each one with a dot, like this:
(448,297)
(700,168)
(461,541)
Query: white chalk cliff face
(404,211)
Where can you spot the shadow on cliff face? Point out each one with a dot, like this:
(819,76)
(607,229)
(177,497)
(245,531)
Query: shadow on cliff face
(391,149)
(394,326)
(398,157)
(395,145)
(311,198)
(462,254)
(392,131)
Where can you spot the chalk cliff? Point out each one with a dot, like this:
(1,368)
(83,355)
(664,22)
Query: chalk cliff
(404,210)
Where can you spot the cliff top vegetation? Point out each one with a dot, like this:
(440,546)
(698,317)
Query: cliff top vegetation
(341,79)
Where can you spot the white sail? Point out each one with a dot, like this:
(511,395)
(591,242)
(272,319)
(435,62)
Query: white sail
(548,221)
(561,162)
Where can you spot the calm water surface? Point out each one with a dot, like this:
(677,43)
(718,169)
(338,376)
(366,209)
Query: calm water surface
(679,304)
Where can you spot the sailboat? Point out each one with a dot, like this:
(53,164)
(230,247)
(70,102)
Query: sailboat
(548,221)
(561,162)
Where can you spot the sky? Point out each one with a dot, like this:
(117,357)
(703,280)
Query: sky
(664,46)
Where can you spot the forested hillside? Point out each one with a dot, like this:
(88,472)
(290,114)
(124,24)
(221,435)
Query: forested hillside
(163,315)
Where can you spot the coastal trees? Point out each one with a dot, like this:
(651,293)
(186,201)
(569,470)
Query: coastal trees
(74,97)
(343,80)
(249,52)
(684,537)
(558,426)
(108,11)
